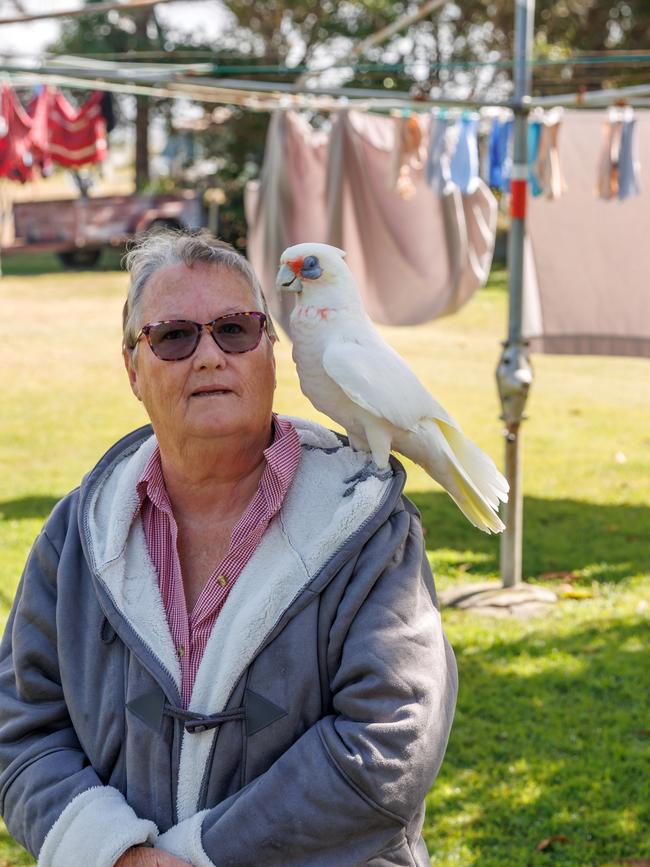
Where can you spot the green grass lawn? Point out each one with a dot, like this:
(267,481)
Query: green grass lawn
(552,736)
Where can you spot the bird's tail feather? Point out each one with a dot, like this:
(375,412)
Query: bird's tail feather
(479,467)
(468,475)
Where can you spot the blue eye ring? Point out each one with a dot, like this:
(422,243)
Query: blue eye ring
(310,262)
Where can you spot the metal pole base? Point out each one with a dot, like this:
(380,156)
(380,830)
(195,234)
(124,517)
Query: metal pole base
(491,599)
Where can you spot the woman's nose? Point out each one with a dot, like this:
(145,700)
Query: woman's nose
(208,353)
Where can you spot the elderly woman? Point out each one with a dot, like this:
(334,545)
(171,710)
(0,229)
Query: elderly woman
(213,653)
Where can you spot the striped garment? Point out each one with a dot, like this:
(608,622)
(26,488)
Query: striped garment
(190,631)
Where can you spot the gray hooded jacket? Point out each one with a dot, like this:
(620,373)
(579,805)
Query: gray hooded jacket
(320,712)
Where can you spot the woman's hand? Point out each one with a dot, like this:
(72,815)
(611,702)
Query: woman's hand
(141,856)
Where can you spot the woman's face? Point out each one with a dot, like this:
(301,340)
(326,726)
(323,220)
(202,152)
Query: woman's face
(237,389)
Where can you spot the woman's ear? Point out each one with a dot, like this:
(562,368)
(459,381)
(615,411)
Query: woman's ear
(132,373)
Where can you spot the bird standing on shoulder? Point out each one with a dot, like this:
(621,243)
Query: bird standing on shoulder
(349,372)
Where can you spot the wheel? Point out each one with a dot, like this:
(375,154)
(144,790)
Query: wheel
(80,258)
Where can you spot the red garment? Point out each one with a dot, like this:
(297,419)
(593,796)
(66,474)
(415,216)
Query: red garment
(76,136)
(191,631)
(50,130)
(23,137)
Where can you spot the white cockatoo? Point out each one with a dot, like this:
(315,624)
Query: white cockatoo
(349,372)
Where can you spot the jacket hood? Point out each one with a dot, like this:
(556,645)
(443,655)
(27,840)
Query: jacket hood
(317,526)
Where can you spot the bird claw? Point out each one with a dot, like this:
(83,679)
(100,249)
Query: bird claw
(367,471)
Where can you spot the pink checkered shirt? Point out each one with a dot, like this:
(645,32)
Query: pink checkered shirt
(190,631)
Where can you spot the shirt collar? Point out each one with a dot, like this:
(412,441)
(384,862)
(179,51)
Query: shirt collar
(282,457)
(151,484)
(283,454)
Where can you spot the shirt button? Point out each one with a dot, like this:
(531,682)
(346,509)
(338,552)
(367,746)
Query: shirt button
(181,650)
(222,580)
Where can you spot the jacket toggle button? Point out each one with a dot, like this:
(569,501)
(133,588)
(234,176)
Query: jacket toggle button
(222,580)
(181,650)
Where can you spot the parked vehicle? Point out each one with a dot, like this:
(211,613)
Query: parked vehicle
(78,229)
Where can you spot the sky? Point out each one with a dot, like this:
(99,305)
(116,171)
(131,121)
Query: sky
(31,39)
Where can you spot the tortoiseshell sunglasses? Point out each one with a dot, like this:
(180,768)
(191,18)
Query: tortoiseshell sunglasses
(176,339)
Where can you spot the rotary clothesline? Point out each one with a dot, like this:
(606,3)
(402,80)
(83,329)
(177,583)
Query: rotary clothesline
(453,155)
(183,81)
(365,185)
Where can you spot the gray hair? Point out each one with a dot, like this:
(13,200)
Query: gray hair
(168,247)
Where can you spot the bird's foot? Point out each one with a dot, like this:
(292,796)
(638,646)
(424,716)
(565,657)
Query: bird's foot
(367,471)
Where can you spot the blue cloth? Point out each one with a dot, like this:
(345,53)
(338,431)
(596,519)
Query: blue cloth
(464,162)
(628,179)
(500,160)
(534,136)
(437,167)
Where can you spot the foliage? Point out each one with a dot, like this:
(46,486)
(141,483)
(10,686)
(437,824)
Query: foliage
(551,736)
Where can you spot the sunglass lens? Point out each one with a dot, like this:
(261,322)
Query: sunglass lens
(238,333)
(172,341)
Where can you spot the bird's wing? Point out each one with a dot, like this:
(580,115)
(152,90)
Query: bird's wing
(376,378)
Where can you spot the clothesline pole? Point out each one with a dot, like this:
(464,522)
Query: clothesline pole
(514,373)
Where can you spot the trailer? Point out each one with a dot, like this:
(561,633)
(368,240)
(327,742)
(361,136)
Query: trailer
(77,230)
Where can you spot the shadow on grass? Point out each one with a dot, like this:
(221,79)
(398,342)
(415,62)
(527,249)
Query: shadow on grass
(27,507)
(550,738)
(31,264)
(608,542)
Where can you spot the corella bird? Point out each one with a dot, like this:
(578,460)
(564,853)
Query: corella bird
(349,372)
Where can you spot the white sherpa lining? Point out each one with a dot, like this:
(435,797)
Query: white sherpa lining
(95,828)
(184,841)
(314,522)
(122,558)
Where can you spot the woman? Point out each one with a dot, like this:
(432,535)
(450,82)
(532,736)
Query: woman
(213,654)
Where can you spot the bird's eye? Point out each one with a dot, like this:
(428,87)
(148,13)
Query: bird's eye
(310,262)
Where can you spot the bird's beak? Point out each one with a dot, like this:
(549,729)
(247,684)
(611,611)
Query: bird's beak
(287,280)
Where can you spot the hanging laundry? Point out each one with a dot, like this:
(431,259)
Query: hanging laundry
(438,170)
(547,168)
(76,137)
(38,110)
(500,154)
(607,181)
(464,162)
(287,205)
(586,288)
(409,154)
(23,139)
(534,136)
(629,166)
(414,259)
(49,130)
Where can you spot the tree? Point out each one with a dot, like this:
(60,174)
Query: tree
(563,28)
